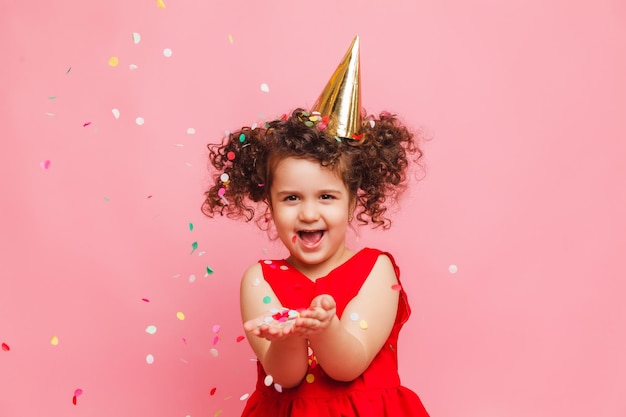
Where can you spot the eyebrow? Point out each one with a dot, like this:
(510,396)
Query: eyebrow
(325,191)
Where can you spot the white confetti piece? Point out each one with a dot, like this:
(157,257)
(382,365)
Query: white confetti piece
(151,329)
(136,38)
(256,282)
(278,387)
(214,352)
(149,359)
(167,52)
(191,131)
(268,380)
(354,316)
(453,269)
(192,278)
(133,67)
(244,397)
(140,121)
(265,88)
(116,113)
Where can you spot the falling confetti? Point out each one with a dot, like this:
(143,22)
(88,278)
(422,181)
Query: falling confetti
(268,380)
(45,164)
(5,347)
(265,88)
(209,270)
(240,338)
(216,328)
(133,67)
(190,226)
(160,4)
(116,113)
(192,278)
(194,246)
(86,124)
(453,269)
(191,131)
(214,352)
(167,52)
(68,70)
(140,121)
(244,397)
(114,61)
(216,339)
(151,329)
(136,38)
(230,38)
(149,359)
(180,315)
(54,341)
(107,199)
(52,97)
(145,300)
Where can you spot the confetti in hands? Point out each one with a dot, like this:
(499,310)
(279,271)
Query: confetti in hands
(277,324)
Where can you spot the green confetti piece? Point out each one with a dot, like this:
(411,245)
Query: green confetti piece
(68,70)
(337,138)
(242,137)
(194,246)
(52,97)
(107,199)
(209,270)
(267,299)
(190,227)
(309,123)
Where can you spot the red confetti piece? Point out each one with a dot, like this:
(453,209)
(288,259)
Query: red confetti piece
(230,155)
(5,347)
(74,400)
(293,239)
(240,338)
(145,300)
(213,390)
(86,124)
(357,137)
(283,117)
(396,287)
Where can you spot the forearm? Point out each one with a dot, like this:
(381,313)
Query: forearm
(286,361)
(342,356)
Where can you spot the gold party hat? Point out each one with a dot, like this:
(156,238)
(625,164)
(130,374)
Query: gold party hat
(341,99)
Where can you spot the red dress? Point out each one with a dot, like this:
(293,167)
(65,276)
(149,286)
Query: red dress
(376,393)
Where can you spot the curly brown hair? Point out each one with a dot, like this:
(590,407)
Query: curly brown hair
(373,166)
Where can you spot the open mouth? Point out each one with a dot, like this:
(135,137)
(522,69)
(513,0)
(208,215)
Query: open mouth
(311,237)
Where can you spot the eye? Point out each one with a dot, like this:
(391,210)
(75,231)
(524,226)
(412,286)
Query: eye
(327,197)
(290,198)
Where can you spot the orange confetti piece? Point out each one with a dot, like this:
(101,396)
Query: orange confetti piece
(160,4)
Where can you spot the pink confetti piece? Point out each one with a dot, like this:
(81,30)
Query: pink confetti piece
(216,328)
(149,196)
(78,392)
(45,164)
(86,124)
(396,287)
(240,338)
(145,300)
(5,347)
(216,339)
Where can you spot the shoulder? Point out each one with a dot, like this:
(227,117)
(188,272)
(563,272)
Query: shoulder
(253,273)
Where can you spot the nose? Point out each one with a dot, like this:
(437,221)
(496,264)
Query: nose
(309,212)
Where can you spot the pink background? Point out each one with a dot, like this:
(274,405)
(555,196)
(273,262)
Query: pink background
(524,102)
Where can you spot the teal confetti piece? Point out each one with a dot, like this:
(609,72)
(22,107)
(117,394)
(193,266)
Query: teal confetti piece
(267,299)
(191,227)
(209,270)
(194,246)
(52,97)
(242,137)
(107,199)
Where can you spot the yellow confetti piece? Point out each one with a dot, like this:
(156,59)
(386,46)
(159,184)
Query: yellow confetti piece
(363,324)
(230,38)
(160,4)
(310,378)
(54,341)
(180,315)
(114,61)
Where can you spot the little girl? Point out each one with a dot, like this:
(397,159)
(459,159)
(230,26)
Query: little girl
(324,322)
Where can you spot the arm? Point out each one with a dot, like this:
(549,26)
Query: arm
(343,348)
(283,354)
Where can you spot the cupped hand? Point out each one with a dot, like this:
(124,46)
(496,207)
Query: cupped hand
(317,317)
(268,329)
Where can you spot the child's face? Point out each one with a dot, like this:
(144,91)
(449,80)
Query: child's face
(310,207)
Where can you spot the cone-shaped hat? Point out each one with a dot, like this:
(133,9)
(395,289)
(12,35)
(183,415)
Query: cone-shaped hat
(341,98)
